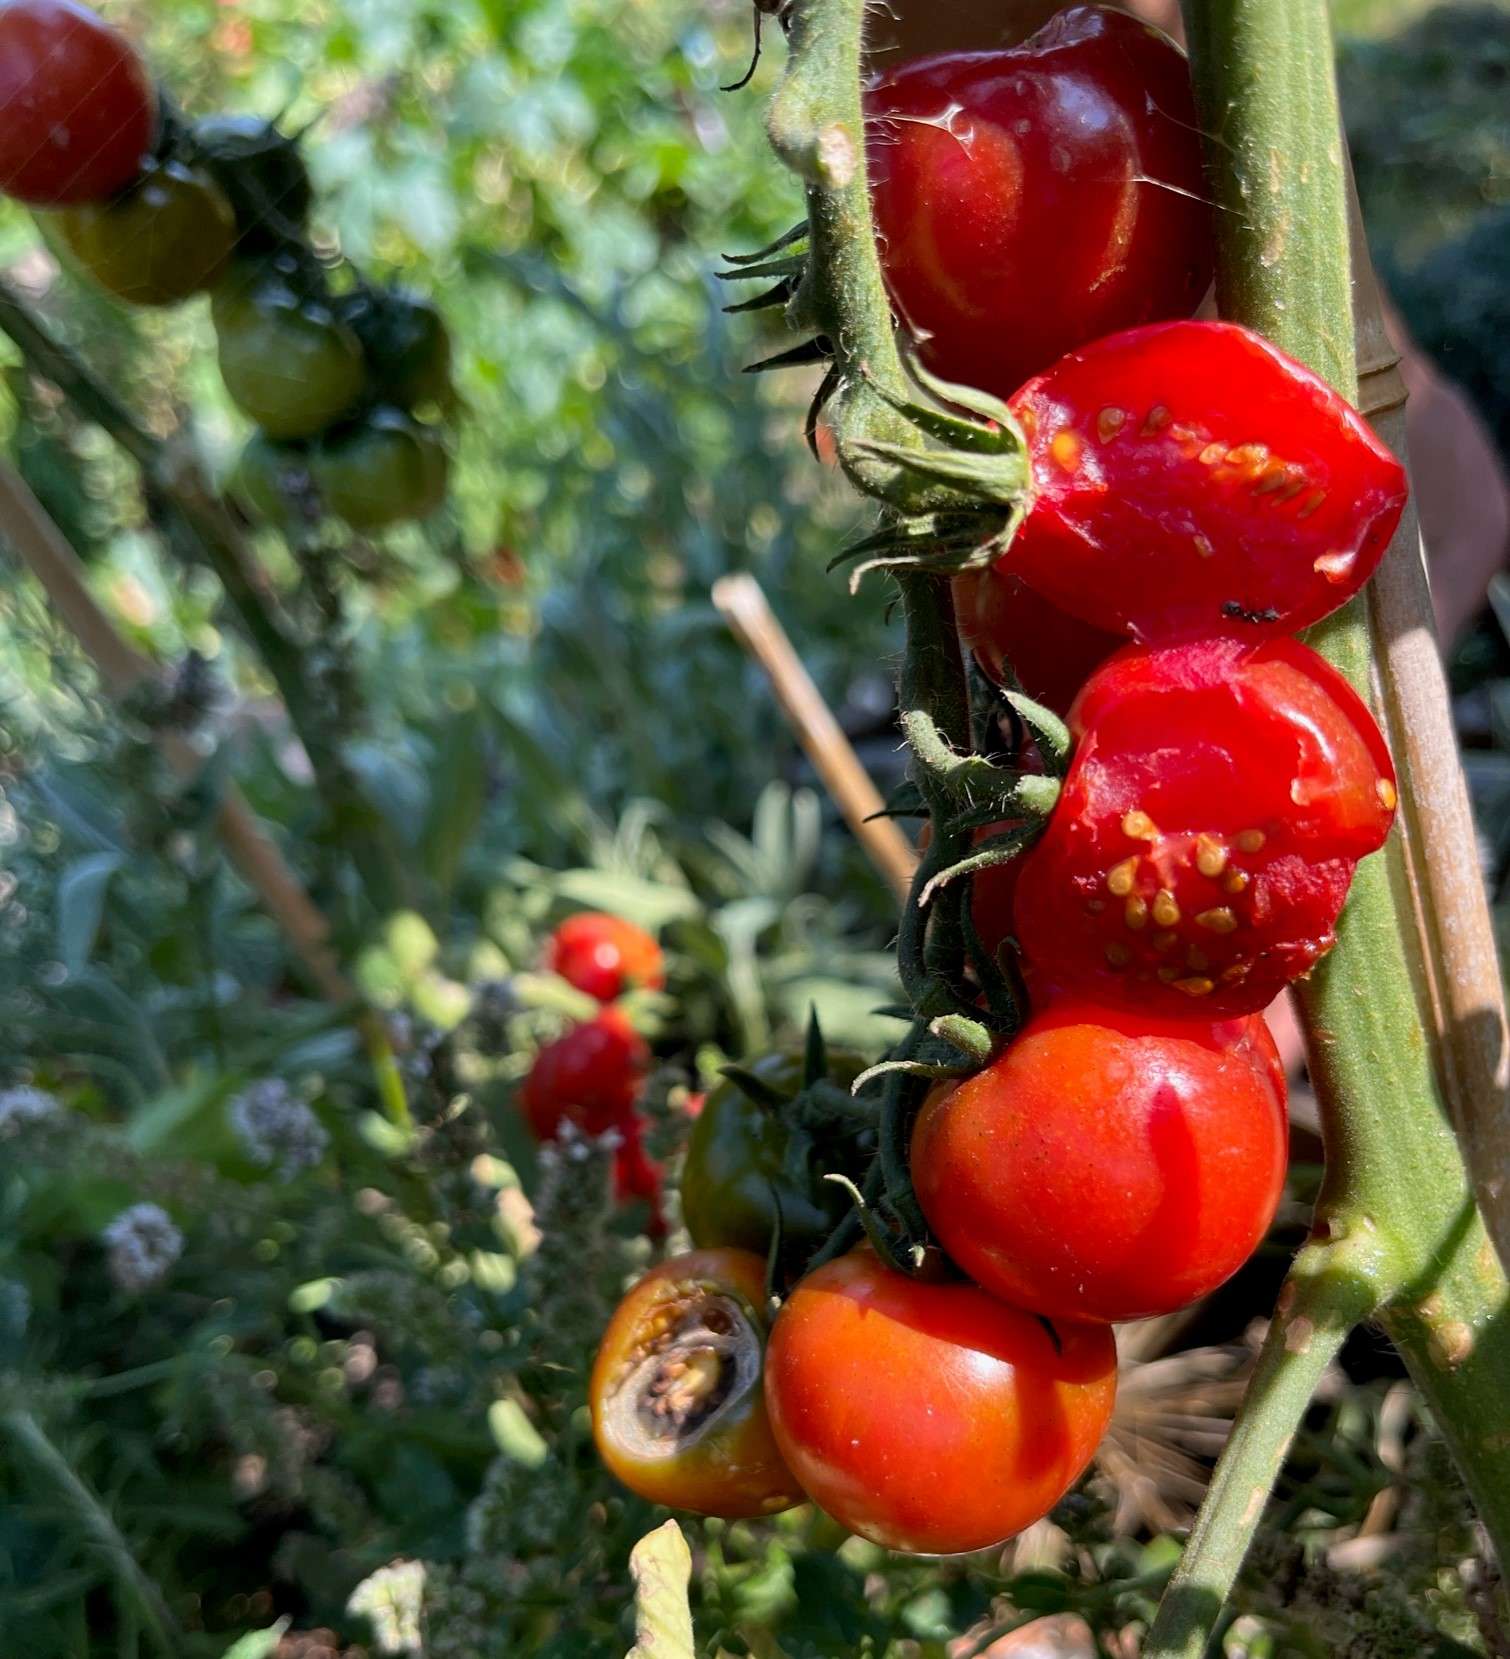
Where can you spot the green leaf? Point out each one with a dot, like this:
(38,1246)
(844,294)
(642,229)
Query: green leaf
(661,1565)
(81,904)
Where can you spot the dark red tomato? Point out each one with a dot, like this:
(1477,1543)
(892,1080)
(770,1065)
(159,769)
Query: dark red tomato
(677,1409)
(1107,1165)
(1220,794)
(605,956)
(931,1417)
(78,111)
(1050,653)
(165,238)
(1030,200)
(1190,478)
(590,1077)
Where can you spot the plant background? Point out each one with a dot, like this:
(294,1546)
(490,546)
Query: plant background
(374,1356)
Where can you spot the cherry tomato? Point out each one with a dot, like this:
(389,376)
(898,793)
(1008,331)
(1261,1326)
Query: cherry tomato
(166,237)
(262,173)
(637,1175)
(407,344)
(78,111)
(287,362)
(270,477)
(1190,478)
(1032,199)
(589,1077)
(1107,1165)
(1050,654)
(382,471)
(1219,797)
(930,1417)
(745,1165)
(677,1409)
(605,956)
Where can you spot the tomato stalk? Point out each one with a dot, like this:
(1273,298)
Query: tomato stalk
(1397,1235)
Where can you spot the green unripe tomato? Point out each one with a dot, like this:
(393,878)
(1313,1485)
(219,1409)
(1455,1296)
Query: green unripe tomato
(407,344)
(743,1160)
(265,476)
(167,237)
(383,471)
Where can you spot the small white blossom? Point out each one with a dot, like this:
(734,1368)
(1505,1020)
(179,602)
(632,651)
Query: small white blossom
(142,1244)
(22,1106)
(391,1600)
(277,1128)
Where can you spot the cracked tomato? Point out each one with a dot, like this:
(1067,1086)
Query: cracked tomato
(1107,1165)
(1219,798)
(677,1408)
(930,1417)
(1032,199)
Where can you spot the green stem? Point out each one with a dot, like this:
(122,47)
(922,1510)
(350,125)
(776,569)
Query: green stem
(31,1440)
(1401,1236)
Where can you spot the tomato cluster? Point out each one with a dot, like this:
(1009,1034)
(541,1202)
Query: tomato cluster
(340,376)
(1192,498)
(591,1076)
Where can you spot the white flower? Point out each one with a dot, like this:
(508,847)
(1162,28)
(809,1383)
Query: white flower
(142,1245)
(22,1106)
(277,1128)
(391,1600)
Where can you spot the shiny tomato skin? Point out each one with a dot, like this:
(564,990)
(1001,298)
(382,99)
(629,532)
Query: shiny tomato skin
(78,111)
(605,956)
(1032,199)
(1190,478)
(1017,635)
(931,1418)
(729,1463)
(739,1174)
(1107,1165)
(590,1077)
(1219,797)
(165,238)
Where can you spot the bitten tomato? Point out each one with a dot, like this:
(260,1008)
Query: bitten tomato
(262,173)
(166,237)
(745,1165)
(1050,653)
(930,1417)
(286,361)
(677,1409)
(381,471)
(1107,1165)
(590,1077)
(1219,797)
(1030,200)
(78,111)
(1190,478)
(605,956)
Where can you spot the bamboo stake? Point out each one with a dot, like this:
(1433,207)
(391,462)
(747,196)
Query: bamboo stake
(56,566)
(744,607)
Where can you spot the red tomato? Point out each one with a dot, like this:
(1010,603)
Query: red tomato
(605,956)
(1050,653)
(1107,1165)
(1219,797)
(1190,478)
(78,110)
(1030,200)
(929,1417)
(637,1175)
(677,1409)
(589,1077)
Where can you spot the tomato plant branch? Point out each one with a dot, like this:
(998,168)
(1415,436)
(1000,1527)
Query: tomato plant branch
(1397,1233)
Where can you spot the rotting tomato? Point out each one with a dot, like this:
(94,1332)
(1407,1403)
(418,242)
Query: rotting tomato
(589,1077)
(931,1417)
(287,360)
(383,470)
(605,956)
(1190,478)
(262,173)
(163,239)
(677,1408)
(1009,626)
(78,111)
(1032,199)
(1219,798)
(1107,1165)
(747,1170)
